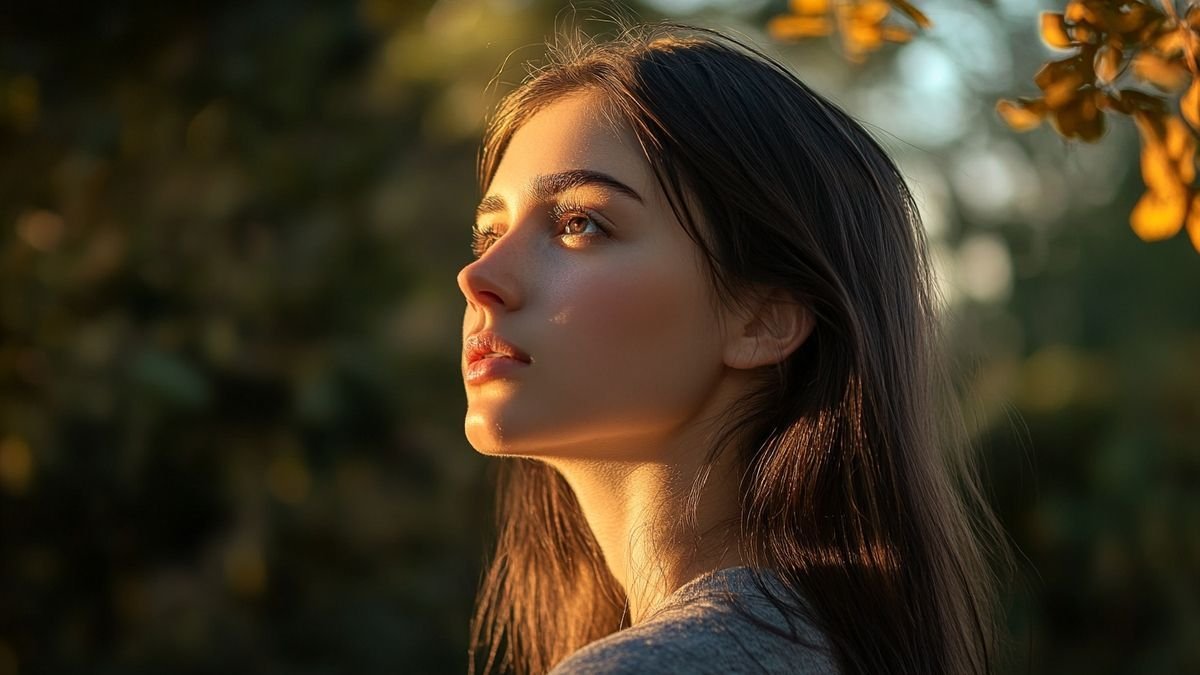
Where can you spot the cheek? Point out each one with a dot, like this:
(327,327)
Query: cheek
(638,334)
(630,309)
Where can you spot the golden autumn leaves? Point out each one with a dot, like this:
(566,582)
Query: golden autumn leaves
(1114,40)
(860,24)
(1168,169)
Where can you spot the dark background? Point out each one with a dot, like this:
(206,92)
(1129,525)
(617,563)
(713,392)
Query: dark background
(230,399)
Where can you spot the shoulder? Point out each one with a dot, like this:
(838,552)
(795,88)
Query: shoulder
(705,634)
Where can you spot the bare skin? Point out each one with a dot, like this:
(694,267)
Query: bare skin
(632,363)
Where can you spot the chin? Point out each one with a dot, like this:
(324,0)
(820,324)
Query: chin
(487,435)
(499,425)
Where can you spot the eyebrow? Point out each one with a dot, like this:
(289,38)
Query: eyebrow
(544,187)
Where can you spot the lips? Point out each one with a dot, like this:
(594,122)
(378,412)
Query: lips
(486,344)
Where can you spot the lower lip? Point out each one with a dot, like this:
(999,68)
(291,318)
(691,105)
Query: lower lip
(497,367)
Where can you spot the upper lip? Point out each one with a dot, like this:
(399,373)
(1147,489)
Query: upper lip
(480,345)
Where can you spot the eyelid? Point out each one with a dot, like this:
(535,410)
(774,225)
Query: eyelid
(563,209)
(488,233)
(556,212)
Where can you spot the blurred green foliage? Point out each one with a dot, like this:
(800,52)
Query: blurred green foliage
(230,406)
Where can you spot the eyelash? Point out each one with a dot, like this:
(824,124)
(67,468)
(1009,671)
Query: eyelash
(483,236)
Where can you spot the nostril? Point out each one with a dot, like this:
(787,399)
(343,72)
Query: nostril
(487,286)
(490,298)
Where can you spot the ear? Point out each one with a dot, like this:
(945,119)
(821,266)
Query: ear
(772,327)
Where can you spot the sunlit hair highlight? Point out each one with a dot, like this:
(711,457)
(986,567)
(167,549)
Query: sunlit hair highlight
(857,485)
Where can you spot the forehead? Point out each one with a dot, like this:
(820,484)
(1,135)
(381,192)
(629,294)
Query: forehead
(572,133)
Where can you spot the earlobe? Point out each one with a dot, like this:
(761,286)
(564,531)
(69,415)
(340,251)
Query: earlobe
(776,328)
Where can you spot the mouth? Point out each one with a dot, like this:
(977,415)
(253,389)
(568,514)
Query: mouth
(495,355)
(487,345)
(492,366)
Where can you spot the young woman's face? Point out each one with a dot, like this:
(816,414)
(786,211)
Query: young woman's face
(583,267)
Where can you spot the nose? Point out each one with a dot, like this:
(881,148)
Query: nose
(490,282)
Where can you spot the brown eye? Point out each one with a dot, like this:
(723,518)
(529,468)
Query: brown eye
(574,220)
(579,223)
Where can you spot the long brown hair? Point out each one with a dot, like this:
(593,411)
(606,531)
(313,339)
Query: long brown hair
(857,485)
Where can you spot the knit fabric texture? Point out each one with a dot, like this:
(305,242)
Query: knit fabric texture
(697,630)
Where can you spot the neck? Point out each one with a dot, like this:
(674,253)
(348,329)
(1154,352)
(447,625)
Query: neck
(639,514)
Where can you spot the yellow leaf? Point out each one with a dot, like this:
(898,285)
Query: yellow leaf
(1193,222)
(1021,115)
(1164,74)
(1149,125)
(1062,91)
(1181,147)
(1106,101)
(912,13)
(1076,12)
(1130,21)
(1140,101)
(1189,105)
(864,35)
(896,34)
(1052,71)
(1159,171)
(1170,44)
(1082,33)
(786,27)
(1091,122)
(1108,62)
(1080,119)
(809,6)
(1158,215)
(1054,31)
(1061,76)
(872,11)
(1176,136)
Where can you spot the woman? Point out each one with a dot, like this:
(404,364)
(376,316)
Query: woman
(701,332)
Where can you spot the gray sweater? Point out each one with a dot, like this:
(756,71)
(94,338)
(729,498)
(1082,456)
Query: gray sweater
(696,631)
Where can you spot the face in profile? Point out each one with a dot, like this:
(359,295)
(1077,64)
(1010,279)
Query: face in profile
(585,275)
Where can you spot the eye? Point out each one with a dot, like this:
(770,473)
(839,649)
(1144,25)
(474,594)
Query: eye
(578,224)
(482,238)
(571,221)
(574,221)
